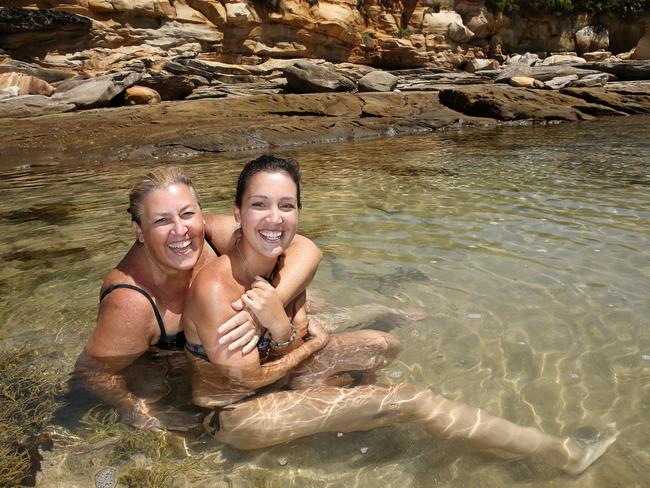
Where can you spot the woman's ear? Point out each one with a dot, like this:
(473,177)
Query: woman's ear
(236,213)
(138,232)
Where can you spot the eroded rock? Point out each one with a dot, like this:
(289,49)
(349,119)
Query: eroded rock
(26,84)
(34,32)
(377,81)
(141,95)
(308,77)
(33,105)
(97,92)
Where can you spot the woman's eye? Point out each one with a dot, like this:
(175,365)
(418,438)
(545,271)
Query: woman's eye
(288,206)
(188,214)
(257,204)
(161,220)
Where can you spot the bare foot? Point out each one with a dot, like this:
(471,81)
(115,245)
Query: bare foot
(584,452)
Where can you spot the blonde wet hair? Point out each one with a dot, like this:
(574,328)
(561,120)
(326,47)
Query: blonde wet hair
(157,179)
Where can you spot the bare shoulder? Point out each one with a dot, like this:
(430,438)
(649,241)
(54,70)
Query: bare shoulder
(212,282)
(126,324)
(220,231)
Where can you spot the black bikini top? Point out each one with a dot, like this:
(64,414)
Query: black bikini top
(172,342)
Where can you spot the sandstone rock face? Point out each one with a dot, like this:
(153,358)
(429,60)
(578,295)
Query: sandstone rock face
(27,85)
(9,92)
(482,24)
(459,33)
(35,32)
(591,39)
(141,95)
(642,49)
(377,81)
(438,23)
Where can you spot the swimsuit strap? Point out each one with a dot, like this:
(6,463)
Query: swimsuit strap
(216,251)
(163,342)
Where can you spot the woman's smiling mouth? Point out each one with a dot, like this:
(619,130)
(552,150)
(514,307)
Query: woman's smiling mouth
(271,235)
(180,246)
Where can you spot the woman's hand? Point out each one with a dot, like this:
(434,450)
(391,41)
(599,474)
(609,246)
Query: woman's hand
(239,332)
(318,333)
(143,416)
(265,304)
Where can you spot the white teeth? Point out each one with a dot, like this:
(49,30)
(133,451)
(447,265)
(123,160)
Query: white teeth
(180,245)
(271,235)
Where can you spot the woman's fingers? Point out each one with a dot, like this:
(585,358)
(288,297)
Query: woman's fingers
(244,340)
(247,329)
(234,322)
(237,305)
(251,344)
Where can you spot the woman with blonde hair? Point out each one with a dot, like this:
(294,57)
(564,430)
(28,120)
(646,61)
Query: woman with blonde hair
(142,298)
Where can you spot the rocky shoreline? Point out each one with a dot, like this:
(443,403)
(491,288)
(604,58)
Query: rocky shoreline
(82,84)
(426,100)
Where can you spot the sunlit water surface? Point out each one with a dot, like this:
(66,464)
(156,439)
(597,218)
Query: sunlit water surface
(528,248)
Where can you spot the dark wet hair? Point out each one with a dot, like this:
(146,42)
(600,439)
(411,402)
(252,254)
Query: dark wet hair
(159,178)
(270,164)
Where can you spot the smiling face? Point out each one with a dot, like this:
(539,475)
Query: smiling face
(171,227)
(269,212)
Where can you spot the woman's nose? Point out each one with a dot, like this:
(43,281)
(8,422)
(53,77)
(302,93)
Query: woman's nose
(275,216)
(179,226)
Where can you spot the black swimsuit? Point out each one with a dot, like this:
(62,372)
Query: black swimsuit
(172,342)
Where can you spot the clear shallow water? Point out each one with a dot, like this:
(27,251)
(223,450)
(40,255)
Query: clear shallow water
(528,248)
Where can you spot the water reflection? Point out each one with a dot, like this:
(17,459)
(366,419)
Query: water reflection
(527,247)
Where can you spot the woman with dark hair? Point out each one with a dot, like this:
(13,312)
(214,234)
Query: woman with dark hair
(142,298)
(301,368)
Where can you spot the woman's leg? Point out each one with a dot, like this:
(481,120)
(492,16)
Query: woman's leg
(344,357)
(283,416)
(372,316)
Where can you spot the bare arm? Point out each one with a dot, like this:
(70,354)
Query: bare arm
(121,335)
(242,369)
(298,268)
(299,265)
